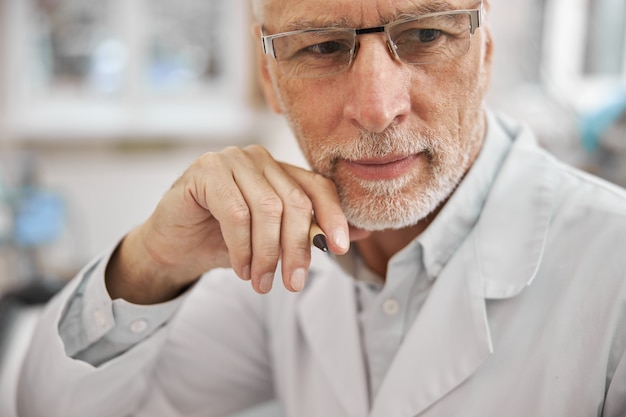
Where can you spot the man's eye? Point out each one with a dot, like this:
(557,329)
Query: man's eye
(325,48)
(427,35)
(418,37)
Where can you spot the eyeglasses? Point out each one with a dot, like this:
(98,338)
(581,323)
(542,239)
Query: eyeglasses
(426,39)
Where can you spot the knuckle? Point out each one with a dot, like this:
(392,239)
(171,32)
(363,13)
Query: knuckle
(269,256)
(271,206)
(298,199)
(210,159)
(231,150)
(301,246)
(205,160)
(227,157)
(209,164)
(238,213)
(256,149)
(324,183)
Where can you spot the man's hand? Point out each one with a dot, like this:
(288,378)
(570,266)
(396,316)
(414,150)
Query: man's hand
(237,208)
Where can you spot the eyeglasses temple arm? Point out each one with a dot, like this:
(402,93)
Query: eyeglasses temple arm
(476,18)
(268,45)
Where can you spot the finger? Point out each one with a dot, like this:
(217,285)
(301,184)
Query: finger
(221,195)
(326,205)
(295,225)
(266,212)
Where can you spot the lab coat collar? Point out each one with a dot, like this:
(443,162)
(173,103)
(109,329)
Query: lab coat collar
(510,236)
(460,213)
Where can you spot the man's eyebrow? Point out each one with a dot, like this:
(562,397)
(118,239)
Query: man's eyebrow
(302,24)
(431,6)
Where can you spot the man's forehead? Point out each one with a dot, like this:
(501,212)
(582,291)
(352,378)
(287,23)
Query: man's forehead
(297,14)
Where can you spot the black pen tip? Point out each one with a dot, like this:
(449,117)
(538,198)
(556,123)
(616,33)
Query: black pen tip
(319,241)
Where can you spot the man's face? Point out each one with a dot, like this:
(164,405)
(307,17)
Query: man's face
(395,138)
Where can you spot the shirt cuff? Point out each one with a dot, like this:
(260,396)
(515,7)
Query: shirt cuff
(104,328)
(120,321)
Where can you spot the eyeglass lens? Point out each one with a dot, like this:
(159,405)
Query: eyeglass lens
(319,53)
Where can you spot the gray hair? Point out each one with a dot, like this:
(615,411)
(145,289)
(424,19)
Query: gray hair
(258,8)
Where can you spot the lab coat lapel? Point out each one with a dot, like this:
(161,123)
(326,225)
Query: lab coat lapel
(509,240)
(450,339)
(447,342)
(327,315)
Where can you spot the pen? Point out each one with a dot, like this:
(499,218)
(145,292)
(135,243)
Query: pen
(318,238)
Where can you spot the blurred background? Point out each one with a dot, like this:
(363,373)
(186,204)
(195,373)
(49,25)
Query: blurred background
(104,103)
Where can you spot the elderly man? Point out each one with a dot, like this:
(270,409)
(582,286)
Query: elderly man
(469,273)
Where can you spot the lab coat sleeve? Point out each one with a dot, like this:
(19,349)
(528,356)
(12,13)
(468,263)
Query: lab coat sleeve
(95,328)
(615,402)
(75,349)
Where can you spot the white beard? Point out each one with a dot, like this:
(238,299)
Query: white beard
(400,202)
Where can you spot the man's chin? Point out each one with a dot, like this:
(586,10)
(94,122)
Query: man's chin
(382,222)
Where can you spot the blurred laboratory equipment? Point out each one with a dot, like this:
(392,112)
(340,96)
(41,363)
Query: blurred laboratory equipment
(81,44)
(31,217)
(584,71)
(110,70)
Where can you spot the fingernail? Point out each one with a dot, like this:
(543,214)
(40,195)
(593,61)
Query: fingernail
(266,282)
(297,279)
(341,239)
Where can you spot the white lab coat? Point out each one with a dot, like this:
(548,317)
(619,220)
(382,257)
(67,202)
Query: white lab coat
(528,318)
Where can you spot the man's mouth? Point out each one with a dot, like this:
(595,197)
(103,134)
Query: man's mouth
(386,168)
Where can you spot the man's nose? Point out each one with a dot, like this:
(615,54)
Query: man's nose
(378,86)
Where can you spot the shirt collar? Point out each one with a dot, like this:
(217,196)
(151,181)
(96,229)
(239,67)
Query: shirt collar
(457,218)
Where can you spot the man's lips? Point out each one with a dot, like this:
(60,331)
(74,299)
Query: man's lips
(386,168)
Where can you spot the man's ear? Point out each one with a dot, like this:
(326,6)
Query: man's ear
(487,56)
(263,72)
(487,46)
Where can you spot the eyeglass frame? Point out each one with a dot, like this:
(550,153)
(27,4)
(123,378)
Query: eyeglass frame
(476,21)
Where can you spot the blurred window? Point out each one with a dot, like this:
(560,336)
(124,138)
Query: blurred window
(605,49)
(126,68)
(74,45)
(184,44)
(84,44)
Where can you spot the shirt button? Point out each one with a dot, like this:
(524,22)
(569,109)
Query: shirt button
(101,319)
(391,307)
(138,326)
